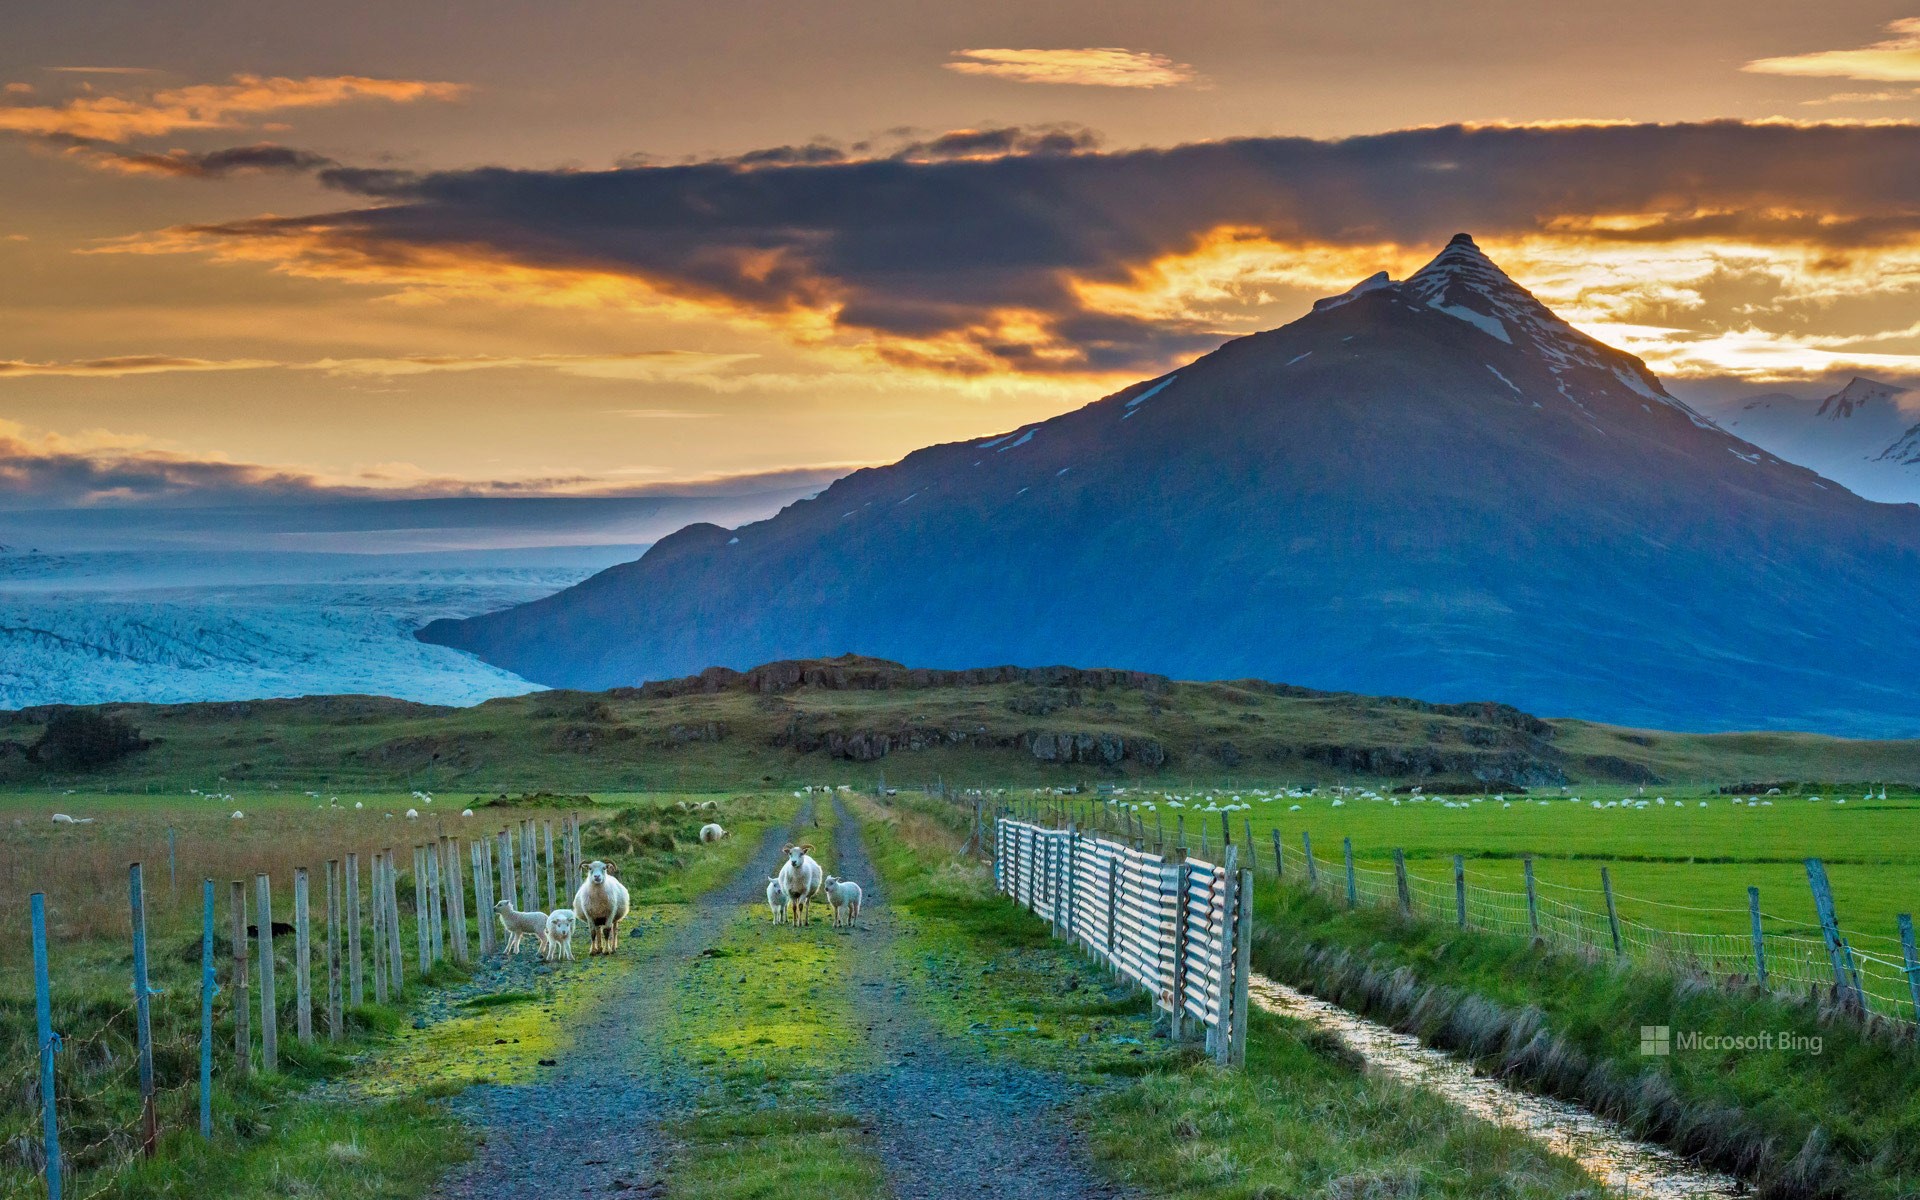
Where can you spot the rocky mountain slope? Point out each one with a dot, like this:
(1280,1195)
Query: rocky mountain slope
(1866,435)
(1434,487)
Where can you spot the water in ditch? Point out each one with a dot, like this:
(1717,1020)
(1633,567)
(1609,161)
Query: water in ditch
(1607,1151)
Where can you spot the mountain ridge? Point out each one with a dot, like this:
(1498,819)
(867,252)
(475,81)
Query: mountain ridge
(1434,487)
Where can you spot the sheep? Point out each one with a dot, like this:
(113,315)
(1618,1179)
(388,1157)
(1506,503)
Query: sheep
(558,943)
(238,815)
(521,925)
(64,819)
(413,814)
(845,896)
(712,832)
(602,903)
(800,878)
(777,899)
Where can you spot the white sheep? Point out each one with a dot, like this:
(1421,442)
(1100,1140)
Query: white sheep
(413,814)
(64,819)
(800,878)
(558,943)
(845,896)
(602,903)
(777,900)
(238,815)
(521,925)
(711,832)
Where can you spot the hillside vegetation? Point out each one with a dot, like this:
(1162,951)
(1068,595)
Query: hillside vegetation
(855,718)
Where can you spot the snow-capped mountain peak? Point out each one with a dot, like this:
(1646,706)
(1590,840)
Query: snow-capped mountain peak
(1859,393)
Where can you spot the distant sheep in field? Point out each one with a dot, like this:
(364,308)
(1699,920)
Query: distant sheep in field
(238,815)
(521,925)
(777,899)
(712,832)
(845,896)
(602,903)
(558,943)
(800,878)
(64,819)
(413,814)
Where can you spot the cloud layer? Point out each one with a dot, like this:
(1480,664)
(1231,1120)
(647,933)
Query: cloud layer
(1051,262)
(227,105)
(1094,66)
(1895,59)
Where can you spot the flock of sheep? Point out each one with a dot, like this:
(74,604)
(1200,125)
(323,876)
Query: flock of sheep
(600,904)
(790,893)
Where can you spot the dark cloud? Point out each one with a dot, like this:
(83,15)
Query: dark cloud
(938,246)
(46,473)
(234,160)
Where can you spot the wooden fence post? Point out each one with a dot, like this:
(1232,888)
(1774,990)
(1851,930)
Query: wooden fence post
(1846,978)
(529,872)
(1242,966)
(1229,876)
(1180,831)
(1313,871)
(553,889)
(302,967)
(381,932)
(356,984)
(1182,881)
(1460,891)
(1400,881)
(483,896)
(436,902)
(269,1003)
(1759,941)
(143,994)
(1613,914)
(1533,900)
(333,950)
(1226,829)
(421,926)
(49,1043)
(397,968)
(1353,889)
(208,986)
(242,1039)
(1279,860)
(1905,921)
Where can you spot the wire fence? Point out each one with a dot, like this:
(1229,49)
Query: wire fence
(97,1082)
(1874,976)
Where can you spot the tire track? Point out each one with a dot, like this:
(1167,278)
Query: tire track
(946,1121)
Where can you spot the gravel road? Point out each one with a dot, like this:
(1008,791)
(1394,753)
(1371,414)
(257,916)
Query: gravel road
(948,1122)
(592,1127)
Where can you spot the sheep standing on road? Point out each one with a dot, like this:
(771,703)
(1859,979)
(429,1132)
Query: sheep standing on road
(602,903)
(777,900)
(712,832)
(800,878)
(558,943)
(521,925)
(845,896)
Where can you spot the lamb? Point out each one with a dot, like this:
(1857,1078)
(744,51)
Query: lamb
(800,878)
(777,900)
(602,903)
(712,832)
(521,925)
(845,896)
(558,943)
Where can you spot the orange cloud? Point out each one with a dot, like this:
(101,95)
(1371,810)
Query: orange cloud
(1097,66)
(208,105)
(1893,60)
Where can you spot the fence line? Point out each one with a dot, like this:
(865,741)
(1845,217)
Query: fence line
(1876,976)
(1177,927)
(357,903)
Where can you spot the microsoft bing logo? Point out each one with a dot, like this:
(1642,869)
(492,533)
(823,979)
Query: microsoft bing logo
(1656,1039)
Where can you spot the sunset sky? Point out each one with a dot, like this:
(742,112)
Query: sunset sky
(272,250)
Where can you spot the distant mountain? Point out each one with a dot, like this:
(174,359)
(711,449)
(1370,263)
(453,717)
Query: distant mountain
(1434,487)
(1866,435)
